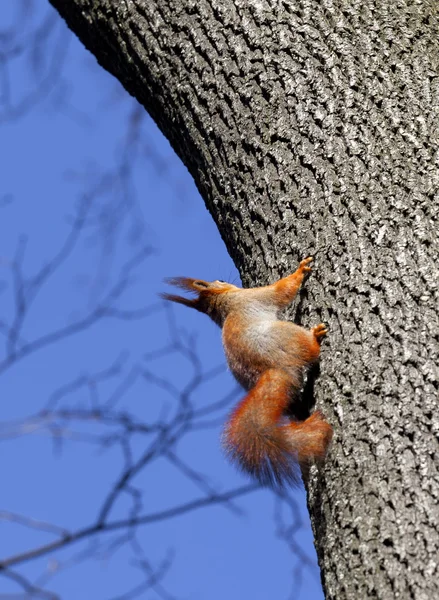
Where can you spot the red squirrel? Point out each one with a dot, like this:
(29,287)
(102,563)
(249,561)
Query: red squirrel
(268,358)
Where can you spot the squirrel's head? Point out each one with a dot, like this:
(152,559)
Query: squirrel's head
(212,296)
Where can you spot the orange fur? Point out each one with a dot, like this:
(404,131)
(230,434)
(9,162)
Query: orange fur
(268,358)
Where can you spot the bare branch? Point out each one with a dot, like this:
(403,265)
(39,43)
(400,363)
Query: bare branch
(27,42)
(104,309)
(32,523)
(101,527)
(30,589)
(153,577)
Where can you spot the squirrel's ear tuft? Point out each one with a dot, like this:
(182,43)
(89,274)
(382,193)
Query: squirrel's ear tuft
(192,303)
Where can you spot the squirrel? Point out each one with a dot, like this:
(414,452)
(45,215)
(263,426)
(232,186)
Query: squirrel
(268,358)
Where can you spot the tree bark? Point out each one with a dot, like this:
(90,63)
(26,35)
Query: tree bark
(312,128)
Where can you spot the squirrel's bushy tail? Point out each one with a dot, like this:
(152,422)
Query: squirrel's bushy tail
(263,443)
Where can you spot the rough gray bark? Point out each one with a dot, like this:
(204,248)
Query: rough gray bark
(312,128)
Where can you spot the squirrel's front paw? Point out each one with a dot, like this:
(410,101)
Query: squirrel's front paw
(303,266)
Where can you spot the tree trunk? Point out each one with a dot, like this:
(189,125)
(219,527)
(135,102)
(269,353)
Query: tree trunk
(312,128)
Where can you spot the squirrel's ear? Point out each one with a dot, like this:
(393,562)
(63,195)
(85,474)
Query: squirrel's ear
(199,284)
(187,283)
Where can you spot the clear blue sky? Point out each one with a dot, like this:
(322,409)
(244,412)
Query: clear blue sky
(67,127)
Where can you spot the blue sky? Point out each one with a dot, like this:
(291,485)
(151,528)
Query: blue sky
(71,133)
